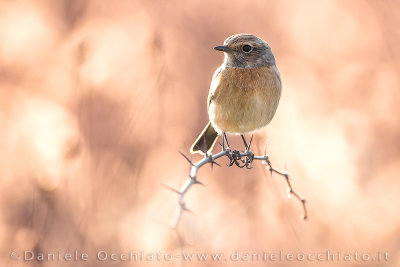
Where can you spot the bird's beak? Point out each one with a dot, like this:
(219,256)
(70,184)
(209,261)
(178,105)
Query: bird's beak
(223,48)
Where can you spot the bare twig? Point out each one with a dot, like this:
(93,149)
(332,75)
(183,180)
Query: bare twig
(192,180)
(240,159)
(290,190)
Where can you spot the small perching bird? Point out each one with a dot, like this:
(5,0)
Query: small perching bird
(244,92)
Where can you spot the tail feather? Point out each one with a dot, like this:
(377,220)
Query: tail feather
(206,140)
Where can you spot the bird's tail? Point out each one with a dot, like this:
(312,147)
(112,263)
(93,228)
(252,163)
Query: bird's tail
(206,140)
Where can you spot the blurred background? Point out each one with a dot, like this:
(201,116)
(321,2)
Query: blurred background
(98,97)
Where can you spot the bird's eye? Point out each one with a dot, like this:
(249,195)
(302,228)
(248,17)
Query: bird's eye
(247,48)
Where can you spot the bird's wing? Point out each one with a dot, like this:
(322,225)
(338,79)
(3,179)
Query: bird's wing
(214,85)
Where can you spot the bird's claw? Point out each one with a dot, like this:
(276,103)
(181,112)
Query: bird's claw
(236,158)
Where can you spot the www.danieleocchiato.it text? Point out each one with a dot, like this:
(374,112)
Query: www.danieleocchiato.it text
(103,255)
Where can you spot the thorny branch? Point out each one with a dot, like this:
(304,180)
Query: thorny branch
(240,159)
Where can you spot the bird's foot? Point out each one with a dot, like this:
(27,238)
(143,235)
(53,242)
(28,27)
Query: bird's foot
(241,160)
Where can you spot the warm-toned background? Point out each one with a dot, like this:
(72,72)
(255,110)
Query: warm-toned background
(98,97)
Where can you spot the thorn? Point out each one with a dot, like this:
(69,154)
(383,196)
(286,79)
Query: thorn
(198,182)
(170,188)
(191,163)
(216,163)
(188,211)
(212,162)
(184,208)
(265,149)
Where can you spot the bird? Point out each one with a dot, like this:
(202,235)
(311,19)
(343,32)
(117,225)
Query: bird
(244,92)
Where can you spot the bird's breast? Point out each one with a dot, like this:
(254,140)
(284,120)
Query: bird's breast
(243,100)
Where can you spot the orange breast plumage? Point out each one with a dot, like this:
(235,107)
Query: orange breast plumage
(242,100)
